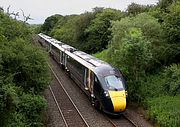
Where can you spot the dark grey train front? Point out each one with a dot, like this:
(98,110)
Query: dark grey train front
(100,81)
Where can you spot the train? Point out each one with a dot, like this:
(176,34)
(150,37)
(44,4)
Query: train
(103,84)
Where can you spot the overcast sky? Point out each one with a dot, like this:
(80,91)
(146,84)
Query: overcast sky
(41,9)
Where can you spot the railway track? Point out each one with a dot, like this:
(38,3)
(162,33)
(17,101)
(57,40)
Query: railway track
(121,121)
(71,115)
(66,107)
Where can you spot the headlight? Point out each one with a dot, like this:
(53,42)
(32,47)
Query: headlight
(126,93)
(106,93)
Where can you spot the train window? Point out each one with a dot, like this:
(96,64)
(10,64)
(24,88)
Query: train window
(114,83)
(95,79)
(97,86)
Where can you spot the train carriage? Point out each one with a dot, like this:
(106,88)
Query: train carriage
(103,83)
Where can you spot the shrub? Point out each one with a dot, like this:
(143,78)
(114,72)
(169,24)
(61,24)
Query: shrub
(32,106)
(166,82)
(165,110)
(17,120)
(24,75)
(132,57)
(27,64)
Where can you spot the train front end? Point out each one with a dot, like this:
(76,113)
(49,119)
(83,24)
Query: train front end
(113,97)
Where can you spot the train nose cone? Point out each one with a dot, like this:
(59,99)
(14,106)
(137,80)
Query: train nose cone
(118,99)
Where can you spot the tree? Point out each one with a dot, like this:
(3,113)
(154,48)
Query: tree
(134,53)
(50,22)
(135,9)
(66,32)
(82,23)
(26,18)
(163,4)
(1,9)
(98,32)
(133,57)
(171,27)
(24,75)
(171,23)
(151,30)
(12,29)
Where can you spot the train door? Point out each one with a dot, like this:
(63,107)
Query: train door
(89,80)
(85,79)
(60,57)
(63,58)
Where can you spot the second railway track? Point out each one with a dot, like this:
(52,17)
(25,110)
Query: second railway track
(68,110)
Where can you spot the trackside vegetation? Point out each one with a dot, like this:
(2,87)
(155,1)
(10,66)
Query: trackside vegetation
(143,42)
(24,75)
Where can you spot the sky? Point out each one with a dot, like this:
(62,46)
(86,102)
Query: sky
(39,10)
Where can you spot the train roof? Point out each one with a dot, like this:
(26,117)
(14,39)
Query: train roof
(69,48)
(91,59)
(85,59)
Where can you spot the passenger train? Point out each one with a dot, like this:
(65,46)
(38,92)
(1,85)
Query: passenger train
(103,83)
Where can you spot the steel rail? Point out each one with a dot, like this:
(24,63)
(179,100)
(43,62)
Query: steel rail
(131,121)
(68,96)
(114,125)
(59,109)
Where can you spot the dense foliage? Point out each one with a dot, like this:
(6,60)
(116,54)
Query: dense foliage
(88,32)
(143,42)
(98,33)
(23,75)
(164,110)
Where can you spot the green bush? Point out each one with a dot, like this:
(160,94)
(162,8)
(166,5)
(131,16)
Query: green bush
(32,106)
(24,74)
(165,83)
(101,55)
(171,22)
(29,68)
(171,83)
(8,101)
(132,55)
(12,29)
(17,120)
(98,33)
(165,110)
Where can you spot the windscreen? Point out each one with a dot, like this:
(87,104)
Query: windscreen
(114,83)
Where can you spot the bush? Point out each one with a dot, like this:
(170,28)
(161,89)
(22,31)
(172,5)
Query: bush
(165,83)
(165,110)
(98,33)
(32,106)
(29,68)
(24,75)
(171,77)
(101,55)
(12,29)
(132,56)
(17,120)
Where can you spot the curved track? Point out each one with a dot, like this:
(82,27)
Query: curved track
(68,110)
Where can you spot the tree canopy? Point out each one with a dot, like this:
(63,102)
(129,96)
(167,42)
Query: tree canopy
(24,75)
